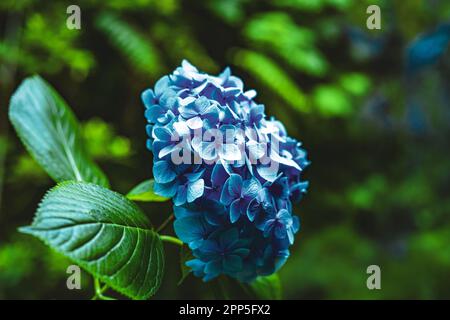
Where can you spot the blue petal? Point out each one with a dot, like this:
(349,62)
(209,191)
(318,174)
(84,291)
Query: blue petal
(194,176)
(189,229)
(161,85)
(280,231)
(268,173)
(163,172)
(235,185)
(295,224)
(165,189)
(208,151)
(212,114)
(183,212)
(284,215)
(148,98)
(154,112)
(218,175)
(251,188)
(230,152)
(225,197)
(226,73)
(201,104)
(162,133)
(256,151)
(195,123)
(181,128)
(167,150)
(235,210)
(290,236)
(213,268)
(197,267)
(181,196)
(195,190)
(253,209)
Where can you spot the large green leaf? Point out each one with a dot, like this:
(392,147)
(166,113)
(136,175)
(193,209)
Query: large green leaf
(49,130)
(144,192)
(104,233)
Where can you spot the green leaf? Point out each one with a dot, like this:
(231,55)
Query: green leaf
(144,192)
(268,288)
(49,130)
(104,233)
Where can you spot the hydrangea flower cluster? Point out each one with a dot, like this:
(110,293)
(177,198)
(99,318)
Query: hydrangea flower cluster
(231,172)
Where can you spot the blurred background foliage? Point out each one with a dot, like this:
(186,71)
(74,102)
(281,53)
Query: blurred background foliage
(371,106)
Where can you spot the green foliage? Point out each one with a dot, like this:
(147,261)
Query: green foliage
(231,11)
(27,168)
(23,260)
(183,46)
(336,259)
(101,142)
(315,5)
(144,192)
(355,83)
(18,255)
(295,44)
(37,47)
(331,101)
(50,131)
(268,288)
(140,51)
(104,233)
(269,73)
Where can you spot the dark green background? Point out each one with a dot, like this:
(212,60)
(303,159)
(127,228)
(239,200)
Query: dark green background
(377,135)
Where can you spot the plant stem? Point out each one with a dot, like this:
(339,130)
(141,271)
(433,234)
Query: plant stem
(99,291)
(171,240)
(165,223)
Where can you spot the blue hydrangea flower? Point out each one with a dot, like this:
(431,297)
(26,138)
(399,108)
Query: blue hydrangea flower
(222,253)
(232,173)
(237,194)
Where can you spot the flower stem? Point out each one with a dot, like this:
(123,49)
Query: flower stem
(171,240)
